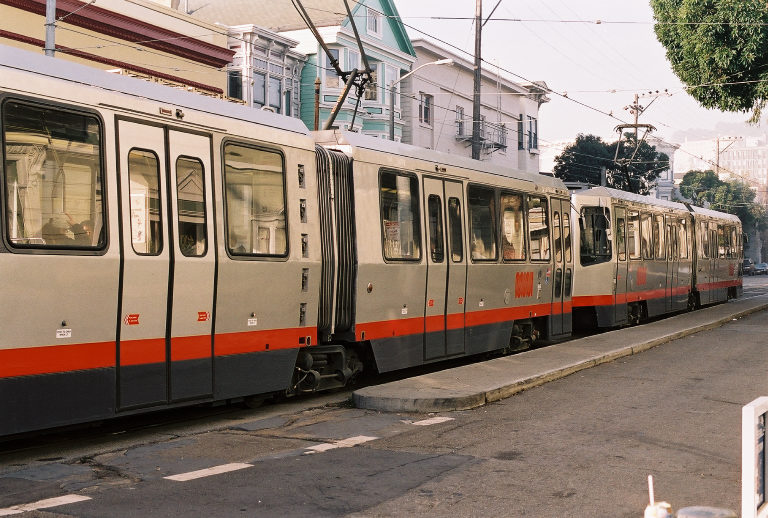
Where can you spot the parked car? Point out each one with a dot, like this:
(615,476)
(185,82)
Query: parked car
(761,268)
(748,267)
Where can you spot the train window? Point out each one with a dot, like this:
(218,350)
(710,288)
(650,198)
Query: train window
(595,246)
(734,244)
(190,192)
(682,239)
(146,209)
(659,247)
(482,223)
(435,217)
(646,236)
(722,242)
(538,228)
(567,237)
(513,230)
(633,235)
(400,216)
(704,250)
(556,237)
(53,178)
(254,184)
(672,234)
(621,238)
(568,282)
(454,227)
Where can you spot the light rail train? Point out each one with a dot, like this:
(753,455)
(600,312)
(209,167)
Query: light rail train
(161,248)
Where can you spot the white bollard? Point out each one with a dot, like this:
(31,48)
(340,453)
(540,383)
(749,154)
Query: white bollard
(656,509)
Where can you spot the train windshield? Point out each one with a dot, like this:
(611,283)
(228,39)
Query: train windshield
(595,246)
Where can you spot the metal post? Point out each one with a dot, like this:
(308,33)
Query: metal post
(717,157)
(317,103)
(478,76)
(50,27)
(392,111)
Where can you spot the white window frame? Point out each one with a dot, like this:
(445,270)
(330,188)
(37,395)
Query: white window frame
(372,94)
(393,73)
(460,122)
(329,74)
(374,22)
(353,60)
(533,133)
(426,99)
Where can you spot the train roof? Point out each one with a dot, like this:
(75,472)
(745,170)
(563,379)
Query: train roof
(367,142)
(650,200)
(714,214)
(32,62)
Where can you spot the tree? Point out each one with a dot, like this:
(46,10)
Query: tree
(719,48)
(582,161)
(705,189)
(635,169)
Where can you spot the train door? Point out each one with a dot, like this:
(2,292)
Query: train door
(686,251)
(446,270)
(142,354)
(456,291)
(561,321)
(673,264)
(194,263)
(702,260)
(166,298)
(622,267)
(706,262)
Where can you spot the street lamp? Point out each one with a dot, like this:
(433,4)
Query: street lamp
(448,62)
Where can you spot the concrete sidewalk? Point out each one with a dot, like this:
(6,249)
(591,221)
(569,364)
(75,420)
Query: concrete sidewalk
(474,385)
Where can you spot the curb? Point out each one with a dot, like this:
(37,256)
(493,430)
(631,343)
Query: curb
(367,397)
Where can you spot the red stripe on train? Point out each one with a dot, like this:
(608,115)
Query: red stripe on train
(622,298)
(190,348)
(268,340)
(705,286)
(415,326)
(142,352)
(56,358)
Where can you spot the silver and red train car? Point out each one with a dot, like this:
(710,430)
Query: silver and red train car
(640,257)
(161,248)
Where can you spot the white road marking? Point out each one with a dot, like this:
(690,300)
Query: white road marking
(344,443)
(216,470)
(433,420)
(43,504)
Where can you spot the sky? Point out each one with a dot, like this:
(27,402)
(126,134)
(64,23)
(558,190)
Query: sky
(601,65)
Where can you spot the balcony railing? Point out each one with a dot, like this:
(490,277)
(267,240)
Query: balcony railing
(491,135)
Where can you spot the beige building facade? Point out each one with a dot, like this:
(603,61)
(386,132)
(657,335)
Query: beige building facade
(134,37)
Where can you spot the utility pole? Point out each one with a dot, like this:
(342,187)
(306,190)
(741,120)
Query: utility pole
(635,109)
(478,77)
(718,152)
(50,28)
(317,103)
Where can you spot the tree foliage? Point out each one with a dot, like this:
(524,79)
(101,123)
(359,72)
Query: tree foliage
(719,48)
(636,168)
(705,189)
